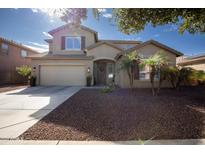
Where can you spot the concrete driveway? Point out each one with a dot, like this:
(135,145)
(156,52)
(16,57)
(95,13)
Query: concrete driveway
(20,109)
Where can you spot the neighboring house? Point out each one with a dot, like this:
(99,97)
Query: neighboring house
(12,55)
(197,62)
(76,52)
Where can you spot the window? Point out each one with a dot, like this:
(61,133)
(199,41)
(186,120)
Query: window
(5,47)
(73,43)
(157,75)
(142,76)
(24,53)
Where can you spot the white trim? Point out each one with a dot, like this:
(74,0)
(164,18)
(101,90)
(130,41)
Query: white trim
(62,64)
(73,49)
(24,51)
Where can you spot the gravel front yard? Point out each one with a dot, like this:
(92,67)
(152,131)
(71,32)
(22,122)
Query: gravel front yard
(125,115)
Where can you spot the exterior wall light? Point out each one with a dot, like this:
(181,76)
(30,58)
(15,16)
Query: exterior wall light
(88,70)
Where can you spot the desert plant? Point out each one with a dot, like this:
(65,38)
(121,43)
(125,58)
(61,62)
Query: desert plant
(89,80)
(155,63)
(24,70)
(196,77)
(107,89)
(32,80)
(184,74)
(173,73)
(162,76)
(128,62)
(200,77)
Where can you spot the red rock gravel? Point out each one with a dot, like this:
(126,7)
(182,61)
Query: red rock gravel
(125,115)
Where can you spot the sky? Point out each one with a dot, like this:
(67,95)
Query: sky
(30,27)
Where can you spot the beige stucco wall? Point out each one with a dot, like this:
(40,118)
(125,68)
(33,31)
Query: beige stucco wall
(103,51)
(37,63)
(123,79)
(126,45)
(151,49)
(55,46)
(200,66)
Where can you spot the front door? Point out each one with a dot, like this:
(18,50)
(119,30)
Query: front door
(101,73)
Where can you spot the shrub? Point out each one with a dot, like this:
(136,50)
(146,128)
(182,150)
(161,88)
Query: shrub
(24,70)
(173,75)
(184,75)
(196,77)
(32,80)
(107,89)
(89,80)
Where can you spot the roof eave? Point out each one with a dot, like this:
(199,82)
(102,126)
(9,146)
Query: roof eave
(177,53)
(101,43)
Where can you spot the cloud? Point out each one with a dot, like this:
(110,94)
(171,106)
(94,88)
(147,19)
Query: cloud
(44,46)
(156,35)
(52,20)
(107,15)
(37,46)
(34,10)
(170,29)
(51,12)
(46,34)
(39,49)
(102,10)
(139,38)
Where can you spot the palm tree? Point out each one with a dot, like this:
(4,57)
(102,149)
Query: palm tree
(155,64)
(128,62)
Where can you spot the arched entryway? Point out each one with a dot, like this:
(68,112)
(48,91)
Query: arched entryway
(104,72)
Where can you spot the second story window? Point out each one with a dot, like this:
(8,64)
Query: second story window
(24,53)
(73,43)
(5,47)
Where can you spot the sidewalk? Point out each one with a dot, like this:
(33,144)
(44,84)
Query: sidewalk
(151,142)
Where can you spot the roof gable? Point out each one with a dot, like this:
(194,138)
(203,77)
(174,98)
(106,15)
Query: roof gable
(122,41)
(160,45)
(67,25)
(11,42)
(104,42)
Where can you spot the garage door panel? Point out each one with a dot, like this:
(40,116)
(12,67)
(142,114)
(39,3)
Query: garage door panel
(62,75)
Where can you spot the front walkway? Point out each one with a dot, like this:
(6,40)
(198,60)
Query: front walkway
(60,142)
(20,109)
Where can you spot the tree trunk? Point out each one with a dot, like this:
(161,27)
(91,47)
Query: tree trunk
(153,92)
(129,75)
(152,74)
(159,86)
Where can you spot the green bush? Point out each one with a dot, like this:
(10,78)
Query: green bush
(173,74)
(197,77)
(24,70)
(89,80)
(184,76)
(106,89)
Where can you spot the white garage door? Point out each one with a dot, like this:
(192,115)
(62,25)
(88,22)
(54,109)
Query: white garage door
(62,75)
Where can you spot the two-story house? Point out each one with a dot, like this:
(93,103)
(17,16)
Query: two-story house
(13,55)
(76,52)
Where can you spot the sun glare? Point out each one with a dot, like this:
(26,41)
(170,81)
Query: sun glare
(53,12)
